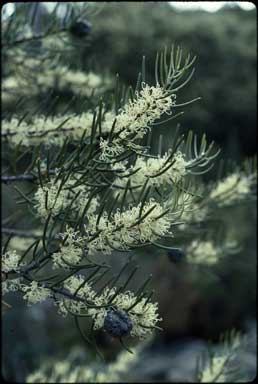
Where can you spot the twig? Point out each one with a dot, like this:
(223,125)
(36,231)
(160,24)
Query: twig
(23,177)
(65,293)
(10,179)
(18,232)
(33,38)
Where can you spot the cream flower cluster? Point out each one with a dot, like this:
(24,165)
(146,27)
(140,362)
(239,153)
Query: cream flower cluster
(112,373)
(202,252)
(10,83)
(71,252)
(65,372)
(52,131)
(58,202)
(213,373)
(20,243)
(10,261)
(234,187)
(195,214)
(62,78)
(124,230)
(79,82)
(10,88)
(149,167)
(67,254)
(216,371)
(35,293)
(136,118)
(143,315)
(15,85)
(75,284)
(11,285)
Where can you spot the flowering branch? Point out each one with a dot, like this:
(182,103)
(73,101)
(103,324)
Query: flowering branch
(100,190)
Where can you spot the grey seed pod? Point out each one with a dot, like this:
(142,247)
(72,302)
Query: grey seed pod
(117,323)
(80,28)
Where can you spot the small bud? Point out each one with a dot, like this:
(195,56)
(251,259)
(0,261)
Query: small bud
(80,28)
(117,323)
(176,255)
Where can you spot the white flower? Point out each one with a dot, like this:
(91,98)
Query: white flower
(37,377)
(124,230)
(74,282)
(110,150)
(65,372)
(10,83)
(232,188)
(203,252)
(213,373)
(54,203)
(58,202)
(193,212)
(63,78)
(10,261)
(61,304)
(67,254)
(35,293)
(11,285)
(136,118)
(150,167)
(71,252)
(52,130)
(79,82)
(120,166)
(78,285)
(124,361)
(22,243)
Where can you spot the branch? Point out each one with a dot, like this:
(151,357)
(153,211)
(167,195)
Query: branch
(10,179)
(18,232)
(24,272)
(61,291)
(64,292)
(34,38)
(38,133)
